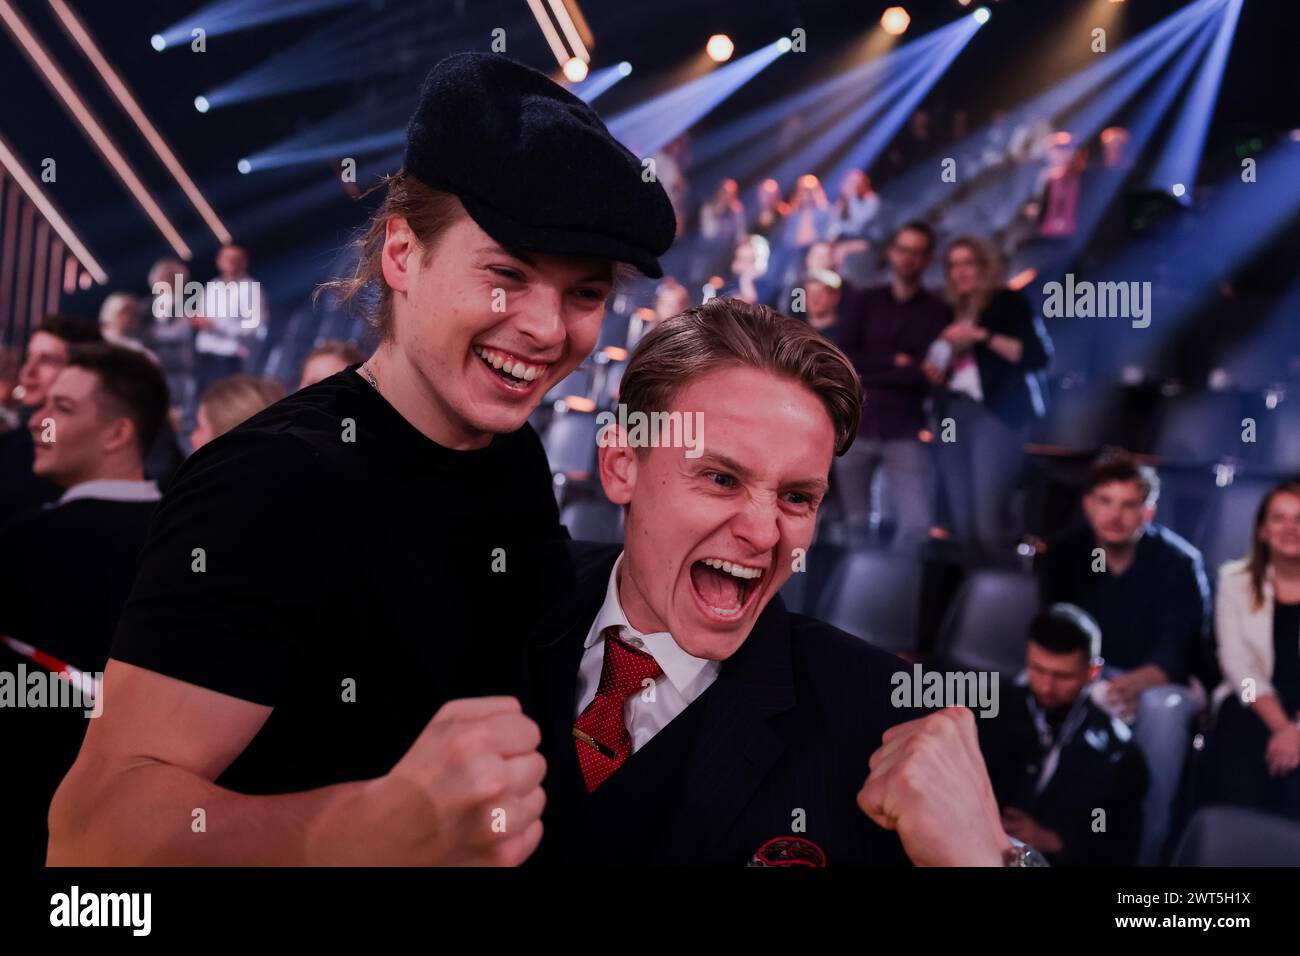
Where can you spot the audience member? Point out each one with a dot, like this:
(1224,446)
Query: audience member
(751,279)
(231,402)
(887,330)
(1146,588)
(328,358)
(235,316)
(1255,746)
(66,570)
(119,318)
(855,208)
(47,354)
(1068,778)
(770,210)
(988,364)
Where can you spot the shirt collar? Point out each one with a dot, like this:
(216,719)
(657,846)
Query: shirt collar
(112,489)
(682,670)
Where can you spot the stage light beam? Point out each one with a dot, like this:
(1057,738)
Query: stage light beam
(720,48)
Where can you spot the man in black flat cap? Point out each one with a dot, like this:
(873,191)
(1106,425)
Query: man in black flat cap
(286,687)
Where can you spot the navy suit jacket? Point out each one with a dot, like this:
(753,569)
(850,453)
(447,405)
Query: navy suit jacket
(777,746)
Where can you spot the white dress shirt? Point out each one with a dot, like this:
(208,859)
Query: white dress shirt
(112,489)
(684,679)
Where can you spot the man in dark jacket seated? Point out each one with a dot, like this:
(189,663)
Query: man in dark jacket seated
(1067,775)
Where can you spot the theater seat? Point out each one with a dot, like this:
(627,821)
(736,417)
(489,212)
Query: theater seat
(987,625)
(1231,514)
(1280,430)
(1236,836)
(875,595)
(570,443)
(1202,427)
(593,519)
(577,382)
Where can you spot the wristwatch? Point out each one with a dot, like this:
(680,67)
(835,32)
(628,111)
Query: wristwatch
(1021,853)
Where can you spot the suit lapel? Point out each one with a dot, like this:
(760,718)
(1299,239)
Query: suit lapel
(555,654)
(737,743)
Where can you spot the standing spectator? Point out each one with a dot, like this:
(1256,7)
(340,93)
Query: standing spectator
(751,278)
(119,318)
(771,210)
(1255,747)
(236,316)
(723,216)
(887,330)
(989,361)
(722,225)
(231,402)
(1146,588)
(168,333)
(326,359)
(857,205)
(809,216)
(671,163)
(1055,758)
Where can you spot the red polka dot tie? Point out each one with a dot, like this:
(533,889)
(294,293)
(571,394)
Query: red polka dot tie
(600,733)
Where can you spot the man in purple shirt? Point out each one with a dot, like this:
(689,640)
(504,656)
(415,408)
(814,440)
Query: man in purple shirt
(887,330)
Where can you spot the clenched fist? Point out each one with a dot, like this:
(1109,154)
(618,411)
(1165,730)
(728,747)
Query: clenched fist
(928,782)
(467,793)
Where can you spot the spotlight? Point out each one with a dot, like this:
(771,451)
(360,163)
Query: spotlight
(895,21)
(964,3)
(720,48)
(785,44)
(201,104)
(158,42)
(625,68)
(982,15)
(244,166)
(575,71)
(1178,189)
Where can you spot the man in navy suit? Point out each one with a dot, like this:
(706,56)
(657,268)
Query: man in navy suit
(686,716)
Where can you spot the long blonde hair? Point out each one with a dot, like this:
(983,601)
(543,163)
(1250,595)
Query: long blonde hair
(233,400)
(989,262)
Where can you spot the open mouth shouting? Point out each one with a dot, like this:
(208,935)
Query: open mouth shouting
(516,376)
(725,589)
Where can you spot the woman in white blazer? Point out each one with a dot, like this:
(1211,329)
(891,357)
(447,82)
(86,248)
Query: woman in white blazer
(1255,748)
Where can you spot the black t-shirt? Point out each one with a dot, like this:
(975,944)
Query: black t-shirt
(327,559)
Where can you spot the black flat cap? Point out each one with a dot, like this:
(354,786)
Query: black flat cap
(534,165)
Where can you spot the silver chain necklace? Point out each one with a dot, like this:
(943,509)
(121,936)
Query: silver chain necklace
(370,376)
